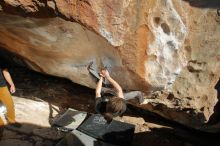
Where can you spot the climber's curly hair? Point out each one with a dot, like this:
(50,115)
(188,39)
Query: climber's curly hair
(116,106)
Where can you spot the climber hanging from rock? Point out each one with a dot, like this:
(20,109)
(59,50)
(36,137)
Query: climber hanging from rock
(111,102)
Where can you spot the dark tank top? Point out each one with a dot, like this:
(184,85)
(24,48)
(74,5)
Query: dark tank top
(2,79)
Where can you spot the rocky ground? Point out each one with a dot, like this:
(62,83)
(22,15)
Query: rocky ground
(39,98)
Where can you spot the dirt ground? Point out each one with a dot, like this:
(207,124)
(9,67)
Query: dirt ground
(62,94)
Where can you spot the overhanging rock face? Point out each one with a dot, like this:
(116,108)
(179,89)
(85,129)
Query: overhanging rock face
(164,45)
(61,48)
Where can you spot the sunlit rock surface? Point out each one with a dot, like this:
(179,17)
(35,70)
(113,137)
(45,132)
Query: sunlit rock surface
(155,45)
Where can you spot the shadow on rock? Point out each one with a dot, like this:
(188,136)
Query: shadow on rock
(30,135)
(215,118)
(172,137)
(204,3)
(164,132)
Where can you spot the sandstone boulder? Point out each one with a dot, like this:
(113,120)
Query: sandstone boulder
(164,45)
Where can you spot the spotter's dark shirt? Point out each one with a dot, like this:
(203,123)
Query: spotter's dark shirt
(2,79)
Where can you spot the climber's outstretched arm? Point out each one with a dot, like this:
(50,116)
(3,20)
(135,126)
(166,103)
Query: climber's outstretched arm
(118,88)
(99,87)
